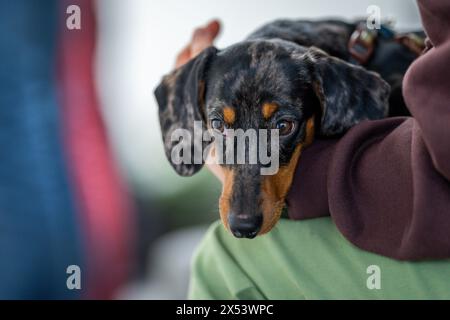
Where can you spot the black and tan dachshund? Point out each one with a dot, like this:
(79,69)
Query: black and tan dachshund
(295,76)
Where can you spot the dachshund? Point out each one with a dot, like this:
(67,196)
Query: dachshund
(295,77)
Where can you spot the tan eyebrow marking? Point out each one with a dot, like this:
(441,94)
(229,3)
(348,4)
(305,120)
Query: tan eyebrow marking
(229,115)
(268,110)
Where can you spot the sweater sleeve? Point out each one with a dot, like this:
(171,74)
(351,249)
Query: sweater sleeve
(427,84)
(386,183)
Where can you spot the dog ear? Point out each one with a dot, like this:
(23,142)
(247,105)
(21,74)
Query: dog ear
(180,97)
(348,94)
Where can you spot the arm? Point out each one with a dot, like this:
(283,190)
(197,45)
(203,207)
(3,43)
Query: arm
(427,85)
(386,183)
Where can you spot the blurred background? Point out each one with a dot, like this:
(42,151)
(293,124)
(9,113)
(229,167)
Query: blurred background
(83,176)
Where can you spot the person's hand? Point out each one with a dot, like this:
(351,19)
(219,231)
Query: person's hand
(202,38)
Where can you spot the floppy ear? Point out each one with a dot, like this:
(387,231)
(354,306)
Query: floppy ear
(348,94)
(180,97)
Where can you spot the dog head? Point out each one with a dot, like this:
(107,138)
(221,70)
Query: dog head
(265,84)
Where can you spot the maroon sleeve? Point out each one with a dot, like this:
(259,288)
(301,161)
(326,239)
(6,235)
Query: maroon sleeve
(386,183)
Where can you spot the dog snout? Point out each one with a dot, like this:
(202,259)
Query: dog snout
(245,226)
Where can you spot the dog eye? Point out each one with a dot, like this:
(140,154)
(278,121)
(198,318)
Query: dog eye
(217,124)
(285,127)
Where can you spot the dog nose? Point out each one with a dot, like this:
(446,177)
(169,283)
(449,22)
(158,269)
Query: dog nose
(244,225)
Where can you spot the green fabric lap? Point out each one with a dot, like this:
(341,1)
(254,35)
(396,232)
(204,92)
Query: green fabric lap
(306,260)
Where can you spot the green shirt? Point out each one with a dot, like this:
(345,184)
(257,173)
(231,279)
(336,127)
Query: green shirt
(307,260)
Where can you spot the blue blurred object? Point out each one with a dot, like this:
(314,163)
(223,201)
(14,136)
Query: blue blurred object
(39,238)
(386,32)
